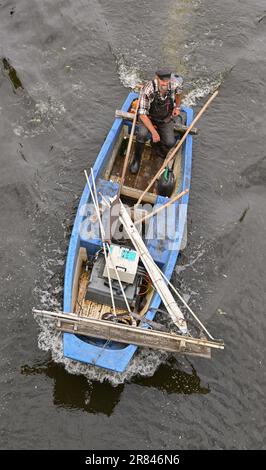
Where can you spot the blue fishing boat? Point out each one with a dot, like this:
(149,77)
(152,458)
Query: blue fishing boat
(85,246)
(122,254)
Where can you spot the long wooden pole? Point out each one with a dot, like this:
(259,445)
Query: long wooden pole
(153,271)
(162,273)
(96,204)
(103,237)
(174,150)
(129,146)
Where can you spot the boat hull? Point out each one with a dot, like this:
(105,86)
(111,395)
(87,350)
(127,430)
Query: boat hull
(111,355)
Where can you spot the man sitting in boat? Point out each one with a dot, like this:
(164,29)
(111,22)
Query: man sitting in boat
(160,101)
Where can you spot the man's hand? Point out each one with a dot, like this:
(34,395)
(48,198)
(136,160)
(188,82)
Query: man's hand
(155,137)
(176,112)
(147,123)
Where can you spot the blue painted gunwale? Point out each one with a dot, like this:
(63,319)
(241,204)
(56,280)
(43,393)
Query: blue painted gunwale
(117,359)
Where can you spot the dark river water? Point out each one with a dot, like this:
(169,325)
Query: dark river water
(65,67)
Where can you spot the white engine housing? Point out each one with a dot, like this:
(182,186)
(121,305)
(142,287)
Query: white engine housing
(126,262)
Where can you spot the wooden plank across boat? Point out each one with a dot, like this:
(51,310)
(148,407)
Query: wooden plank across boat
(97,327)
(110,331)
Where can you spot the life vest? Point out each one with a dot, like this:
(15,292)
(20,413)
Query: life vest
(134,106)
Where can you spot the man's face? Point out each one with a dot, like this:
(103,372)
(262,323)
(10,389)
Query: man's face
(163,83)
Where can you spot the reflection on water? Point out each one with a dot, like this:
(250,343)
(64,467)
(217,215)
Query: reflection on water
(74,391)
(172,380)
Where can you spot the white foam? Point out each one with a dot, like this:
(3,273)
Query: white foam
(18,130)
(128,75)
(46,112)
(202,89)
(179,268)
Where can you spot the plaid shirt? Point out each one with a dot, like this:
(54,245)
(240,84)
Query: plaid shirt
(147,93)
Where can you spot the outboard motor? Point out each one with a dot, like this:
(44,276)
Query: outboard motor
(166,183)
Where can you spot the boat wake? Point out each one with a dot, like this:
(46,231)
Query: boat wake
(201,88)
(129,75)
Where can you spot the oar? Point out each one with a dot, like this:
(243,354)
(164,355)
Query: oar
(174,150)
(153,270)
(129,148)
(164,206)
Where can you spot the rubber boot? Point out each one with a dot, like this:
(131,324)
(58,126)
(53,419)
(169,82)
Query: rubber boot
(134,167)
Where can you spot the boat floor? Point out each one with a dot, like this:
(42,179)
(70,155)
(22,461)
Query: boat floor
(87,308)
(91,309)
(150,164)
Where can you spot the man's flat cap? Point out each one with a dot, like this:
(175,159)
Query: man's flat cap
(164,72)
